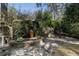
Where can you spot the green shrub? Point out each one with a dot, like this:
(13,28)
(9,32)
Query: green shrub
(75,28)
(20,39)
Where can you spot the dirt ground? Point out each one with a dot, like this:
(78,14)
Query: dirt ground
(67,50)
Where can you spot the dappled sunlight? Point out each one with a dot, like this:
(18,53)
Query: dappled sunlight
(39,29)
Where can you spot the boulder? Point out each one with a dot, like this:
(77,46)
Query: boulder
(4,51)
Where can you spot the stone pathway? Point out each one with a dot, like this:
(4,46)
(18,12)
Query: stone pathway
(66,48)
(17,52)
(49,48)
(30,52)
(37,50)
(66,40)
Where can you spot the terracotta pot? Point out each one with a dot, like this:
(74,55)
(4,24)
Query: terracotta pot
(31,33)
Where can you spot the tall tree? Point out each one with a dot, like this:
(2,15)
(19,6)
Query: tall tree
(4,8)
(70,24)
(72,13)
(11,15)
(53,8)
(56,9)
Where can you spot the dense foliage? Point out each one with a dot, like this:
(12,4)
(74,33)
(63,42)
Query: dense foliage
(70,24)
(61,17)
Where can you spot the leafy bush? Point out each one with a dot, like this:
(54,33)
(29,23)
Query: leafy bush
(47,18)
(70,24)
(20,39)
(74,29)
(56,24)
